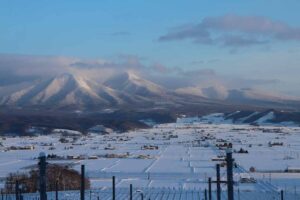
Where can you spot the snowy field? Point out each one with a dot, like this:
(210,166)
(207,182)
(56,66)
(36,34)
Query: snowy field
(170,157)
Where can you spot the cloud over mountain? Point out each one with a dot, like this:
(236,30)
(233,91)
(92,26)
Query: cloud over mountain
(17,70)
(234,31)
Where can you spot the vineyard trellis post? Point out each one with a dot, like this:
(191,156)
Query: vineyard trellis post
(281,195)
(82,184)
(113,188)
(56,190)
(42,178)
(209,188)
(229,163)
(218,182)
(130,192)
(17,190)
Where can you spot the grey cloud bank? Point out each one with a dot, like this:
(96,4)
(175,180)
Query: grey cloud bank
(234,31)
(21,68)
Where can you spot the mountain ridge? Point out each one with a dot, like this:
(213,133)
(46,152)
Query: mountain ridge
(129,89)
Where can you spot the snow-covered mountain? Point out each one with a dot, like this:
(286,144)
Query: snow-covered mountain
(63,89)
(68,89)
(217,92)
(241,96)
(131,83)
(127,89)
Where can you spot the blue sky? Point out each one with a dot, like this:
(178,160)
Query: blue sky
(95,29)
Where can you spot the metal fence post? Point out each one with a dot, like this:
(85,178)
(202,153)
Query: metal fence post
(281,195)
(82,184)
(218,182)
(229,162)
(42,169)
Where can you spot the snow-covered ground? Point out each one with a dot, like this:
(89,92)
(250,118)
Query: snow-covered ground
(176,156)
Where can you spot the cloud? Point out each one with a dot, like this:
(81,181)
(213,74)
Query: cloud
(28,65)
(234,31)
(250,83)
(160,68)
(239,41)
(15,69)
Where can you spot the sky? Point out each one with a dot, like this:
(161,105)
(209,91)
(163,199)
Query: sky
(244,43)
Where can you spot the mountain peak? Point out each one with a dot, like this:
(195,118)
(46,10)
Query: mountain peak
(132,75)
(131,83)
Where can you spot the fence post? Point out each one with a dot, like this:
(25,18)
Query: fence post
(56,190)
(82,184)
(218,182)
(130,192)
(229,162)
(142,196)
(281,195)
(42,166)
(209,188)
(113,188)
(17,190)
(205,194)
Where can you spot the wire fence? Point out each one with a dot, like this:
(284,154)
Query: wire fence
(154,194)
